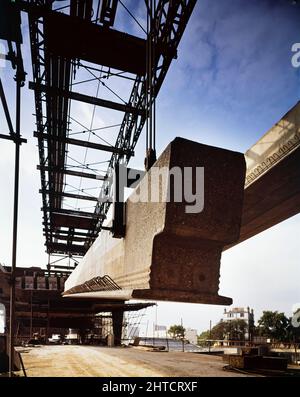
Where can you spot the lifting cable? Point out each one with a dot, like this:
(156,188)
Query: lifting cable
(150,101)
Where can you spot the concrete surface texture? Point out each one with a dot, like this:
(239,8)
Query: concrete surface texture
(167,253)
(76,361)
(277,143)
(272,186)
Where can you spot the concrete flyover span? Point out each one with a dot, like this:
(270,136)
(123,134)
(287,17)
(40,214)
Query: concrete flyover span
(272,186)
(170,255)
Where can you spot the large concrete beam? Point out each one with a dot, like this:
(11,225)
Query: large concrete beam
(167,253)
(272,186)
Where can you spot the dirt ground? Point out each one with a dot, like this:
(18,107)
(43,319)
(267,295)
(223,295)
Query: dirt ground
(75,361)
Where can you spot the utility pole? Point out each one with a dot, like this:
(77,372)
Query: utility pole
(181,322)
(31,313)
(147,328)
(209,336)
(16,58)
(15,233)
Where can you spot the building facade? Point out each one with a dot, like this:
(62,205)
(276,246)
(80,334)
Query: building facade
(191,335)
(241,313)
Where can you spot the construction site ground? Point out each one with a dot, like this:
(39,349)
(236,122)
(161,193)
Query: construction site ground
(95,361)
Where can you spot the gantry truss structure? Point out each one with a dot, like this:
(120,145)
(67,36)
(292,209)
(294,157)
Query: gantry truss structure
(83,66)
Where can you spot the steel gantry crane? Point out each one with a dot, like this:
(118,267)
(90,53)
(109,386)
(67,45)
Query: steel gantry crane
(74,44)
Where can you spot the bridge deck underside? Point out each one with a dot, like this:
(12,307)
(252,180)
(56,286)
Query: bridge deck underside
(272,198)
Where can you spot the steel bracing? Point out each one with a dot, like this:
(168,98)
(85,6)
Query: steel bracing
(73,46)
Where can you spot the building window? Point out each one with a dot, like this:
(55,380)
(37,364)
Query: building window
(242,314)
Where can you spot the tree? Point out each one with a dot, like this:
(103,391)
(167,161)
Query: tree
(293,328)
(202,338)
(274,325)
(177,331)
(219,330)
(236,329)
(204,335)
(233,330)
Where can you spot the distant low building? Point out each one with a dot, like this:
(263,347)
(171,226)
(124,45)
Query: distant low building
(241,313)
(160,331)
(191,335)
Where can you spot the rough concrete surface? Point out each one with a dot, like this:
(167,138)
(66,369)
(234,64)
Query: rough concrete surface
(167,253)
(272,186)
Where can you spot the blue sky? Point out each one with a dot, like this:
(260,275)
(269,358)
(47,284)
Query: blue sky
(233,78)
(232,81)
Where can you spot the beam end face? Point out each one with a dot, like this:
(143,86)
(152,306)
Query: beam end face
(186,252)
(169,253)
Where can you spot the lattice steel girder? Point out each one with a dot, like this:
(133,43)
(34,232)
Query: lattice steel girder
(67,238)
(6,110)
(38,66)
(62,248)
(13,137)
(47,29)
(77,142)
(70,172)
(76,222)
(69,195)
(75,38)
(108,12)
(58,92)
(73,212)
(63,267)
(170,20)
(67,232)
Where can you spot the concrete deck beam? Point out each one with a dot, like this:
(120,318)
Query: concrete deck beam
(167,253)
(272,186)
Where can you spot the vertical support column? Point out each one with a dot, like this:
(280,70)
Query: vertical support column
(150,85)
(15,231)
(31,313)
(48,321)
(48,265)
(118,228)
(117,319)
